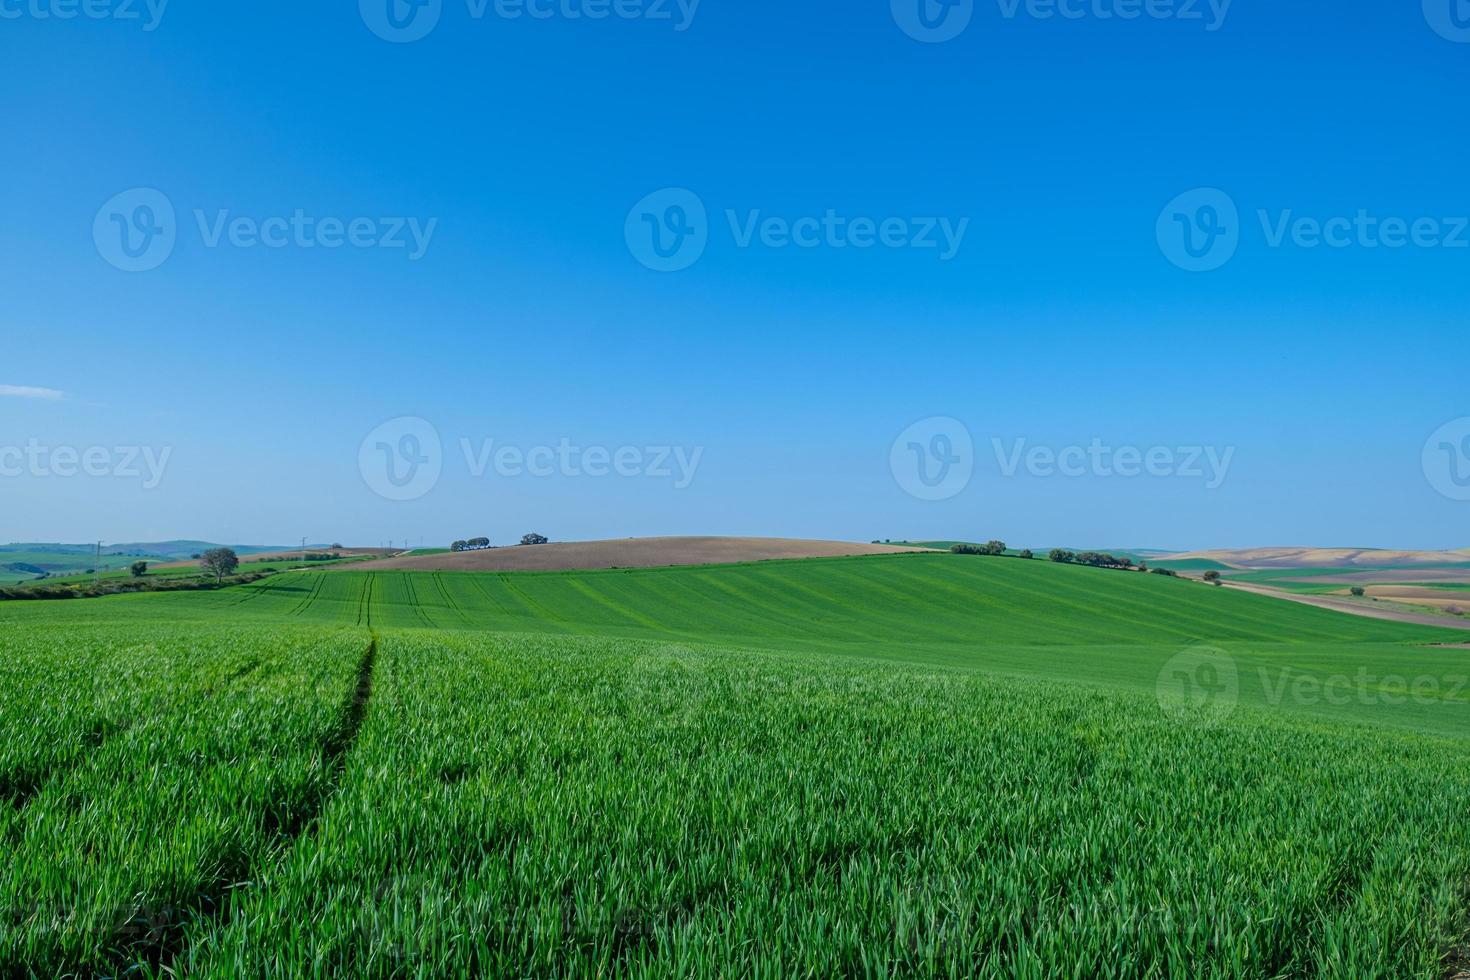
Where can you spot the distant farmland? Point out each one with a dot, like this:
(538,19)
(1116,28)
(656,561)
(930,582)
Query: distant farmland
(916,764)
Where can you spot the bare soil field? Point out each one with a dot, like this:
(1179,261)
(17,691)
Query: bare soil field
(1321,557)
(1450,600)
(632,553)
(1356,607)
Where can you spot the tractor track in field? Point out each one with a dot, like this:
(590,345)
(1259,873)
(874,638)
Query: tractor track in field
(365,601)
(413,600)
(306,603)
(480,585)
(158,938)
(536,608)
(439,582)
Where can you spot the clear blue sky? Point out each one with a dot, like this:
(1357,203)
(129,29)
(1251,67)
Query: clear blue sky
(529,320)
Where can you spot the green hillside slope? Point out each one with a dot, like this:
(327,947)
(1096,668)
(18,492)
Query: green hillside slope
(1036,619)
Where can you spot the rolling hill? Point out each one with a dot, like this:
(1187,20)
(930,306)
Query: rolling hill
(634,553)
(1265,558)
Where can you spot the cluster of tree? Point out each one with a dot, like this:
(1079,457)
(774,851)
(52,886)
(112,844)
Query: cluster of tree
(1213,577)
(472,544)
(138,568)
(990,548)
(1097,559)
(995,548)
(1358,591)
(534,538)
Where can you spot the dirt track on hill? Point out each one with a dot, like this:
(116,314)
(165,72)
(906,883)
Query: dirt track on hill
(1354,608)
(630,553)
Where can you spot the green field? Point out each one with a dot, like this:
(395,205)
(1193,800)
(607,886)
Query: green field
(924,765)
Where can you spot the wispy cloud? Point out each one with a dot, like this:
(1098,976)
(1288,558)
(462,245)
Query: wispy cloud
(21,391)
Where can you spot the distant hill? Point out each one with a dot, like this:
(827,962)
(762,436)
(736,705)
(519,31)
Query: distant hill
(1137,554)
(183,549)
(25,562)
(1319,557)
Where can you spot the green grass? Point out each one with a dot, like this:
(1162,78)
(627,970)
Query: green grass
(918,765)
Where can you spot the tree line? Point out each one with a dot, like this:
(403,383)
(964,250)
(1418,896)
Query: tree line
(483,544)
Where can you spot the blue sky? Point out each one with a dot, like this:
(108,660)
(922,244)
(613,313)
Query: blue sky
(525,150)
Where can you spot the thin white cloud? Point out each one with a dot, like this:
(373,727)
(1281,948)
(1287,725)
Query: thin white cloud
(21,391)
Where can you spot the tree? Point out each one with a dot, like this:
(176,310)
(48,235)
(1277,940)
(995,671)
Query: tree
(459,546)
(995,547)
(534,538)
(139,569)
(1061,555)
(1213,577)
(1026,554)
(220,562)
(1358,591)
